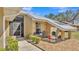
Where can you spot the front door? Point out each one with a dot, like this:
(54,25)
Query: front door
(17,26)
(16,29)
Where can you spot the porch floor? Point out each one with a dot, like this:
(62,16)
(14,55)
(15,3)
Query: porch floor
(25,46)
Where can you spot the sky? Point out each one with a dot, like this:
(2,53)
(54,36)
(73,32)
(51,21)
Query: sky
(42,11)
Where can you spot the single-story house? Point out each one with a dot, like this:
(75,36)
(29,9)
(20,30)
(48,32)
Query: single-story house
(15,22)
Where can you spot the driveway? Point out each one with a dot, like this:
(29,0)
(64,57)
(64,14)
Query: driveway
(25,46)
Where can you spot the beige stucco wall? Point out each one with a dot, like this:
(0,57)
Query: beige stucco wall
(27,25)
(10,13)
(47,28)
(1,27)
(7,26)
(11,10)
(30,26)
(33,26)
(5,12)
(43,26)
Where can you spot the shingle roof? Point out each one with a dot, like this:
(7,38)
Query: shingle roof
(61,26)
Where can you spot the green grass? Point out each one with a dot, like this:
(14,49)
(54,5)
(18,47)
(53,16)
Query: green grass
(2,49)
(75,35)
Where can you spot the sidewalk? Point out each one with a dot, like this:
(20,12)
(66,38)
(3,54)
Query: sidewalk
(25,46)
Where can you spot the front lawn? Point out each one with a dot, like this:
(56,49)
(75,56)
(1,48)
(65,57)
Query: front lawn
(75,35)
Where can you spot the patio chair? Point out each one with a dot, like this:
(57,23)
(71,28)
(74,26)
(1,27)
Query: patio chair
(54,39)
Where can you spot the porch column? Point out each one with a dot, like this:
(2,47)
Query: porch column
(57,32)
(62,35)
(4,37)
(69,35)
(77,27)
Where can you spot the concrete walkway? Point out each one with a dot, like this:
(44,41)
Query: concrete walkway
(25,46)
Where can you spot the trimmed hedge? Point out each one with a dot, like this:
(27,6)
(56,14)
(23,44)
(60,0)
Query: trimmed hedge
(35,39)
(12,44)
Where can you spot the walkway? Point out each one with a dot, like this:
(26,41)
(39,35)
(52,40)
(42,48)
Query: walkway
(25,46)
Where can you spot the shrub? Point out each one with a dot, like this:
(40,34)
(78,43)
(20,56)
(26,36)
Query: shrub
(28,36)
(12,44)
(35,39)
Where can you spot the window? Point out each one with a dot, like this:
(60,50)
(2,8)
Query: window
(38,28)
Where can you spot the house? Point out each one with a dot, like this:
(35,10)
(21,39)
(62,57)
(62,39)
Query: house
(15,22)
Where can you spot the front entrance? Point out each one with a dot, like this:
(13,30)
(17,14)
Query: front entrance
(38,28)
(17,27)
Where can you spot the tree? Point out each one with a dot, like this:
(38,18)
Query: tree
(51,16)
(69,15)
(75,15)
(60,17)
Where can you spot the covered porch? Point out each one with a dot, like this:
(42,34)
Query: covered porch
(47,27)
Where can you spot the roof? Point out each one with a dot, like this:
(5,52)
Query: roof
(61,26)
(57,24)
